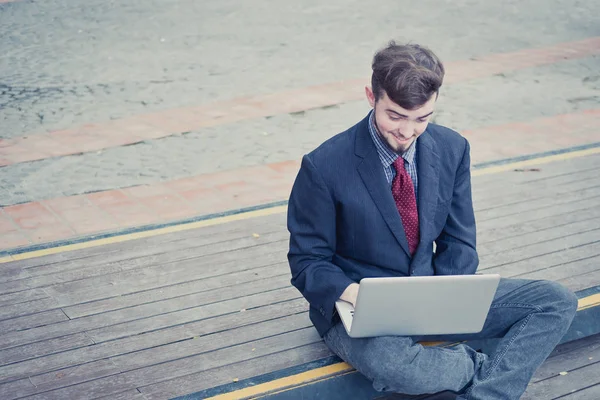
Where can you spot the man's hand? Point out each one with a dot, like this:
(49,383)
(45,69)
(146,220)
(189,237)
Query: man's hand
(350,294)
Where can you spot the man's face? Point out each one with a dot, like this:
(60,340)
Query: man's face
(397,126)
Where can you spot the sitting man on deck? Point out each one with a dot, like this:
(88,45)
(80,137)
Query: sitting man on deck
(371,202)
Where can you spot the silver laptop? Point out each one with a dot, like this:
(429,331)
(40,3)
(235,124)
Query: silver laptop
(423,305)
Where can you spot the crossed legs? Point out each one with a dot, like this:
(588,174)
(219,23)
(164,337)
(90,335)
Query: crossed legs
(529,317)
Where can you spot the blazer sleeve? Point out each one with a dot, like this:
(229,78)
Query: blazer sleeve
(312,226)
(456,253)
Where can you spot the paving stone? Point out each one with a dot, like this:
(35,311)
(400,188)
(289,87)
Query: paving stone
(541,91)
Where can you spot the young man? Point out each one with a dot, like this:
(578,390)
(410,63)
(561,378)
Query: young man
(371,201)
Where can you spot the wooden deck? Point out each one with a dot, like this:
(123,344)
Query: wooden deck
(572,372)
(180,313)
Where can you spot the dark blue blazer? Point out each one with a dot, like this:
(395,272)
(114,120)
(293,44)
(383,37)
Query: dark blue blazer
(344,225)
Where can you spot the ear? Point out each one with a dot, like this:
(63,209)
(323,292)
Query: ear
(370,96)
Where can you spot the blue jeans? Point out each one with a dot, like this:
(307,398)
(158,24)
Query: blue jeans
(529,317)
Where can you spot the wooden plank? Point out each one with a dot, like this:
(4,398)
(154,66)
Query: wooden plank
(537,214)
(194,327)
(553,246)
(491,198)
(519,207)
(537,209)
(561,175)
(176,290)
(128,395)
(89,278)
(233,250)
(31,307)
(50,259)
(162,321)
(481,190)
(40,349)
(566,270)
(161,372)
(22,297)
(562,385)
(222,323)
(568,357)
(57,379)
(155,340)
(103,387)
(549,260)
(165,252)
(16,389)
(212,342)
(10,272)
(225,356)
(561,230)
(77,373)
(119,284)
(491,235)
(583,281)
(561,168)
(17,326)
(251,225)
(128,264)
(116,320)
(17,285)
(589,393)
(113,288)
(545,171)
(550,171)
(203,298)
(243,370)
(228,356)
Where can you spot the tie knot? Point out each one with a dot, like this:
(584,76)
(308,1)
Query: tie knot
(399,164)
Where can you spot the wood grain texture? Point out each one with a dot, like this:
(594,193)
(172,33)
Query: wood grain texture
(172,314)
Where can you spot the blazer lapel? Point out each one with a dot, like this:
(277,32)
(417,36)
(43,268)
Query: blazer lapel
(428,173)
(371,171)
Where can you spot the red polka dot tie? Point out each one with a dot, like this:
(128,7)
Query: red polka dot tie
(404,196)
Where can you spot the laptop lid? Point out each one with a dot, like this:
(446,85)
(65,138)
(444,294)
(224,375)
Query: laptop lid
(425,305)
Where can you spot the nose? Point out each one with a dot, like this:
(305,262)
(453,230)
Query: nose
(405,129)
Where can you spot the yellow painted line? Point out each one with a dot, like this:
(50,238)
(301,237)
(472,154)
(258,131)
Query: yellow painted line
(535,161)
(278,384)
(143,234)
(589,302)
(262,396)
(319,374)
(265,212)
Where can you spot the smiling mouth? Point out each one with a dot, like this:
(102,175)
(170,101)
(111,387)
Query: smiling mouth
(402,140)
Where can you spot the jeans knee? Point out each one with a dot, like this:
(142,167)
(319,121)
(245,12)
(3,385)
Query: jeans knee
(562,299)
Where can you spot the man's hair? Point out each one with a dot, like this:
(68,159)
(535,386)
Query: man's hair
(410,74)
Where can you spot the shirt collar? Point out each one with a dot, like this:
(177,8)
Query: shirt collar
(387,155)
